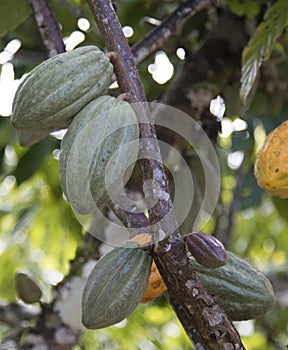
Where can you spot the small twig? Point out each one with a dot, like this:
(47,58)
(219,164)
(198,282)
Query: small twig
(225,220)
(170,26)
(13,314)
(136,221)
(213,328)
(88,249)
(232,207)
(48,27)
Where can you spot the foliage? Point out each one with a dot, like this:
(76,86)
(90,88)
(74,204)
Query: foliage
(13,13)
(261,45)
(245,7)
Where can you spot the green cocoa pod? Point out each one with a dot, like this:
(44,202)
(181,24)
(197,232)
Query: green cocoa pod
(206,249)
(56,90)
(27,287)
(94,136)
(240,289)
(115,286)
(110,167)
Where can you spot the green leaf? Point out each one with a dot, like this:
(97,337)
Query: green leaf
(33,158)
(12,13)
(262,44)
(245,7)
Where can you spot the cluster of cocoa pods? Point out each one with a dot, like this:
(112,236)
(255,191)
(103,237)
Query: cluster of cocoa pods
(238,287)
(70,91)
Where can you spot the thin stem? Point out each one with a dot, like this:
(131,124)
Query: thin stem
(170,26)
(225,220)
(232,207)
(137,222)
(13,314)
(48,27)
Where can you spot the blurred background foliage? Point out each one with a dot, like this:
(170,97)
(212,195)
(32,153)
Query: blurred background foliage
(38,229)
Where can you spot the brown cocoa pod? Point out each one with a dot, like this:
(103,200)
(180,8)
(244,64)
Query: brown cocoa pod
(206,249)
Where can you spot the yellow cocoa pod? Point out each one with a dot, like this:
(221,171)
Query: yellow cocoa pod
(142,238)
(156,285)
(271,166)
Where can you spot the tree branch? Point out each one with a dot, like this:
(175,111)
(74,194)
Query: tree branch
(226,232)
(134,221)
(170,26)
(211,324)
(13,314)
(48,27)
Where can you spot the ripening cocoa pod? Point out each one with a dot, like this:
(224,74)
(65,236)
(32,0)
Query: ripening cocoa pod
(156,285)
(206,249)
(142,238)
(27,287)
(271,166)
(56,90)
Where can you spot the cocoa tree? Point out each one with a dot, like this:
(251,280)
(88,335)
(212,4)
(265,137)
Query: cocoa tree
(201,78)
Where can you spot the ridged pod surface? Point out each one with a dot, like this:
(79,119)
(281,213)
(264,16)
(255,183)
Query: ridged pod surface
(112,162)
(156,285)
(56,90)
(115,286)
(98,130)
(271,166)
(238,287)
